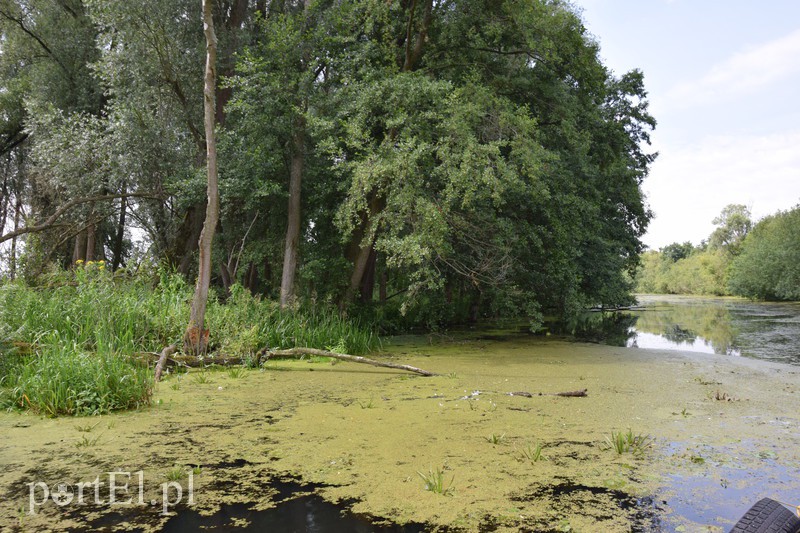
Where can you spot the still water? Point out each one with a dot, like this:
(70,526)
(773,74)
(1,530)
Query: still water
(726,326)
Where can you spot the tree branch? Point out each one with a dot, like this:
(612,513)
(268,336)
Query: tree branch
(66,207)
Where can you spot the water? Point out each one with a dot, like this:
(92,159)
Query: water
(769,331)
(725,326)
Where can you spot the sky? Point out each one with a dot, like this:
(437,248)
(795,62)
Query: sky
(723,82)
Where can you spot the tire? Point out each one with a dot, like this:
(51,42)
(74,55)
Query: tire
(767,516)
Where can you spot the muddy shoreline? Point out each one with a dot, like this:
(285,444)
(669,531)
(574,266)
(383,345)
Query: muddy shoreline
(725,430)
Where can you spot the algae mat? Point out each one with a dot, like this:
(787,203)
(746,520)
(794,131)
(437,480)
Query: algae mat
(724,432)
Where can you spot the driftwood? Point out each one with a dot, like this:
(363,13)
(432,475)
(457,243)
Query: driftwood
(570,394)
(265,354)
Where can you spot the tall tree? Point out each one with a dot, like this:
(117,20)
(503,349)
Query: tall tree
(196,337)
(733,225)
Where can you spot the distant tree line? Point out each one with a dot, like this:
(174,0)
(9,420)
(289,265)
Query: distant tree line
(760,261)
(447,159)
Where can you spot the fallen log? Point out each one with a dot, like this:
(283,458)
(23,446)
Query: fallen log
(265,354)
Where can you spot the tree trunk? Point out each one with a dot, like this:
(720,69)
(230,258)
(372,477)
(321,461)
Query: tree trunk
(361,255)
(382,294)
(91,241)
(119,239)
(195,338)
(367,286)
(293,224)
(79,251)
(13,261)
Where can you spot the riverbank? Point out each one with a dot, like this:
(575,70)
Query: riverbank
(724,430)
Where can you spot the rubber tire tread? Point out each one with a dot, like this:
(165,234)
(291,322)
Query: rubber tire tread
(767,516)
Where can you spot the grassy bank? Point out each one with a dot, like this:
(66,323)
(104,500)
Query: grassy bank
(70,347)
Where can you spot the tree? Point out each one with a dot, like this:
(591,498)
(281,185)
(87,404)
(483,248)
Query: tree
(733,224)
(677,251)
(768,266)
(196,337)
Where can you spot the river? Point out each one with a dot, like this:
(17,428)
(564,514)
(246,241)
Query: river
(289,445)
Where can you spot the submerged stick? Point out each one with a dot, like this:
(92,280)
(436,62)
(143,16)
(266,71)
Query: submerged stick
(299,352)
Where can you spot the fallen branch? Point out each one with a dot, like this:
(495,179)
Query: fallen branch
(570,394)
(166,352)
(265,354)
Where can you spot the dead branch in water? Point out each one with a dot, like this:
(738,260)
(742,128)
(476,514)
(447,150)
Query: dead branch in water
(265,354)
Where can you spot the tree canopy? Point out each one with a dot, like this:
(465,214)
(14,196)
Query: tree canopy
(433,160)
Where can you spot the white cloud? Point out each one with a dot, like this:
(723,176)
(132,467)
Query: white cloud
(690,184)
(742,74)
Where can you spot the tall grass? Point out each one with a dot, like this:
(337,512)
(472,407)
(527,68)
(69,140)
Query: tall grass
(84,327)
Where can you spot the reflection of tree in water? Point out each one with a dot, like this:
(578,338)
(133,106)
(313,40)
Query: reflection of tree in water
(612,328)
(679,335)
(683,324)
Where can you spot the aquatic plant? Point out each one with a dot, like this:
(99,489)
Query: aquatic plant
(236,372)
(86,442)
(369,404)
(176,473)
(627,442)
(434,482)
(495,438)
(202,377)
(533,454)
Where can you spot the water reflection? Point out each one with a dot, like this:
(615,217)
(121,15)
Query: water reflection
(724,326)
(695,325)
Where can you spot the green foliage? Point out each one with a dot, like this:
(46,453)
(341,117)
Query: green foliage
(701,272)
(768,266)
(484,183)
(86,328)
(64,380)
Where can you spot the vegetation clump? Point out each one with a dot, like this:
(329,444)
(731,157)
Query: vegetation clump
(90,337)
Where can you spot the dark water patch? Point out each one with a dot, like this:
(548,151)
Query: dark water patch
(570,498)
(297,510)
(306,514)
(232,463)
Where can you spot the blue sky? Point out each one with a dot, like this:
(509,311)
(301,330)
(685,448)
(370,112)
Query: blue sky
(723,78)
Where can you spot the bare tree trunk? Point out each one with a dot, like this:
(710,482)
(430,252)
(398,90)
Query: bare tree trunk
(120,236)
(195,338)
(13,263)
(293,225)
